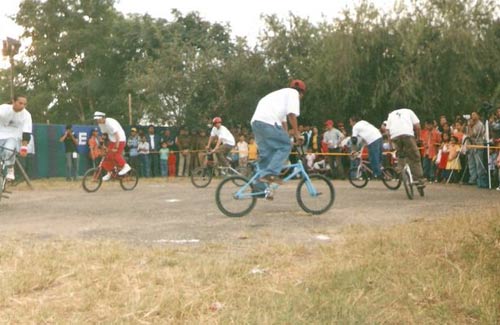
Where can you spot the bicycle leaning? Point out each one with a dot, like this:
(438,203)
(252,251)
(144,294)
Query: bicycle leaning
(202,176)
(92,179)
(315,193)
(3,171)
(360,175)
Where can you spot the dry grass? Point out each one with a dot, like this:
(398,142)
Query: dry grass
(444,272)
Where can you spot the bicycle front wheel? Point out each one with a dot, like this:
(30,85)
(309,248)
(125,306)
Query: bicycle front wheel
(92,180)
(129,181)
(316,196)
(201,176)
(407,184)
(2,184)
(229,203)
(358,177)
(390,178)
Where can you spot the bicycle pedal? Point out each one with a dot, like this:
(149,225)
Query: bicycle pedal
(268,194)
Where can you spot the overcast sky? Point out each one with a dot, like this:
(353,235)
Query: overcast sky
(242,16)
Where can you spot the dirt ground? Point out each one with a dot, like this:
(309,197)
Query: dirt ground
(175,212)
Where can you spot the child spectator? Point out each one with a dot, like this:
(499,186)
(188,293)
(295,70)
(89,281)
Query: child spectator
(172,163)
(458,131)
(442,157)
(253,150)
(453,165)
(94,151)
(431,139)
(242,147)
(143,150)
(164,153)
(310,159)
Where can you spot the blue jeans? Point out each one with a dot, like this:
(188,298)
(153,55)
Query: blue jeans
(71,165)
(375,156)
(477,168)
(274,147)
(8,155)
(429,168)
(164,167)
(145,166)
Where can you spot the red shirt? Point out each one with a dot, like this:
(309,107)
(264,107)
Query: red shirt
(432,141)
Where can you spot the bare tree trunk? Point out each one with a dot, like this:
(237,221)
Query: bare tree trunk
(81,112)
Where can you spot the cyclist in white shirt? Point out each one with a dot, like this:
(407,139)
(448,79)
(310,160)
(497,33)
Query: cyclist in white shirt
(270,127)
(372,137)
(15,129)
(116,145)
(225,141)
(403,127)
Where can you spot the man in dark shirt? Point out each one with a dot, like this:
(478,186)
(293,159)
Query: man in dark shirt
(70,143)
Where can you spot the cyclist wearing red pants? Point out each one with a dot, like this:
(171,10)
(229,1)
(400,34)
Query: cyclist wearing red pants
(116,145)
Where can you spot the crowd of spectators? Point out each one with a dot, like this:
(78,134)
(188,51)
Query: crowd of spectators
(452,151)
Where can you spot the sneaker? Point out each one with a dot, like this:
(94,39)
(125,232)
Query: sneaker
(124,170)
(106,177)
(498,188)
(10,174)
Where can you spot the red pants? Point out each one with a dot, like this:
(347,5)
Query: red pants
(172,160)
(114,158)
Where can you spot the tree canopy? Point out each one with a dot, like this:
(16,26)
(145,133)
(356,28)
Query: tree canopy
(437,57)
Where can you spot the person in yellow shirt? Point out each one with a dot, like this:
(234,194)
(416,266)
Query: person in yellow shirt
(253,150)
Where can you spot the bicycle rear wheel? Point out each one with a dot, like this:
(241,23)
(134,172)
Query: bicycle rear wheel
(92,180)
(358,177)
(407,184)
(390,178)
(201,176)
(244,171)
(316,196)
(129,181)
(227,201)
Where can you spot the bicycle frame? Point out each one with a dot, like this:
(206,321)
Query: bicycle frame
(407,170)
(297,169)
(363,165)
(3,179)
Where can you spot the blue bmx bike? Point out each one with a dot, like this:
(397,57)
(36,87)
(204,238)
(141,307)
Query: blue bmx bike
(315,193)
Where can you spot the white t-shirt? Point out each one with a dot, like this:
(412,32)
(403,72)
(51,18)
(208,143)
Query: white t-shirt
(152,141)
(274,107)
(112,126)
(13,124)
(366,131)
(223,134)
(401,121)
(242,149)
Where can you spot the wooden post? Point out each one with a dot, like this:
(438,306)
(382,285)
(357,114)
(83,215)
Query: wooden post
(129,108)
(11,77)
(23,172)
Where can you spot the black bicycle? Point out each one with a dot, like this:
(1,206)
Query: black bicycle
(202,176)
(360,175)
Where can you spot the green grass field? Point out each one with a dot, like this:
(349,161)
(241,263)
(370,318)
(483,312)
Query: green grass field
(443,272)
